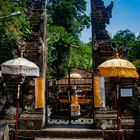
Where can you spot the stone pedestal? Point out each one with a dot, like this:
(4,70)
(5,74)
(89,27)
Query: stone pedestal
(106,119)
(31,121)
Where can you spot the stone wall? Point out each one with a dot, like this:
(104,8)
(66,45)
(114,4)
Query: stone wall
(34,49)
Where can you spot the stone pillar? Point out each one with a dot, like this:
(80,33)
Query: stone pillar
(35,50)
(102,44)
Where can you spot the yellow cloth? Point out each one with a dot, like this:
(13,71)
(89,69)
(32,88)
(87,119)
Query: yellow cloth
(118,68)
(39,93)
(118,72)
(97,96)
(75,107)
(74,99)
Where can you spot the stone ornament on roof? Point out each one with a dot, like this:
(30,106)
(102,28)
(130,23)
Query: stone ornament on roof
(102,15)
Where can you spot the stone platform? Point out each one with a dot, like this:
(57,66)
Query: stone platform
(67,139)
(130,129)
(73,133)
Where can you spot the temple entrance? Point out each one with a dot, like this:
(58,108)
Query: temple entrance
(70,101)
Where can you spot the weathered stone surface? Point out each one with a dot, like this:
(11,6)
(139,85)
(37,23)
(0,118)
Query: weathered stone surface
(105,119)
(101,17)
(32,120)
(125,134)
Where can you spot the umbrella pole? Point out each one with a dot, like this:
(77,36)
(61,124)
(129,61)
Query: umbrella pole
(69,95)
(118,113)
(17,107)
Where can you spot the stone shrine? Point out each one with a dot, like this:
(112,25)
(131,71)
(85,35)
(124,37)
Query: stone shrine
(103,46)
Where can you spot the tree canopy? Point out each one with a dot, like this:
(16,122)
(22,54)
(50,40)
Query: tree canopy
(66,51)
(69,14)
(66,18)
(60,42)
(12,26)
(127,41)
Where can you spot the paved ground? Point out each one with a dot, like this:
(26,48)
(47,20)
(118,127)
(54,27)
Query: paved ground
(66,139)
(59,130)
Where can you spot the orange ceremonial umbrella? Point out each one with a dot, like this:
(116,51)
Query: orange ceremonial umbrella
(118,68)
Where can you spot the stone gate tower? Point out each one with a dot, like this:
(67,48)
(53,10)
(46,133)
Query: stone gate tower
(101,41)
(102,45)
(35,50)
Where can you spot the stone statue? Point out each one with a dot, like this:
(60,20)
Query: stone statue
(101,17)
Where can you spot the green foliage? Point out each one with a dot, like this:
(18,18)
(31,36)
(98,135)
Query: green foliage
(17,25)
(66,51)
(68,13)
(66,18)
(126,40)
(82,57)
(134,52)
(123,39)
(7,45)
(125,36)
(11,28)
(60,42)
(137,63)
(138,38)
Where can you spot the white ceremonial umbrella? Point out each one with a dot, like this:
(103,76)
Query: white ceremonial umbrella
(20,67)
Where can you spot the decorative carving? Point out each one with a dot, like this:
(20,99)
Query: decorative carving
(33,47)
(103,46)
(101,17)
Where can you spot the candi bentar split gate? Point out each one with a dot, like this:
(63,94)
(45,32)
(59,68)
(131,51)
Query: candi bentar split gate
(62,103)
(68,100)
(79,108)
(73,100)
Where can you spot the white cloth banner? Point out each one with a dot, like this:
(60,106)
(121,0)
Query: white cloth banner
(102,91)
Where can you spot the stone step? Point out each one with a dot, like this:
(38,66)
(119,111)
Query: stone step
(68,139)
(73,133)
